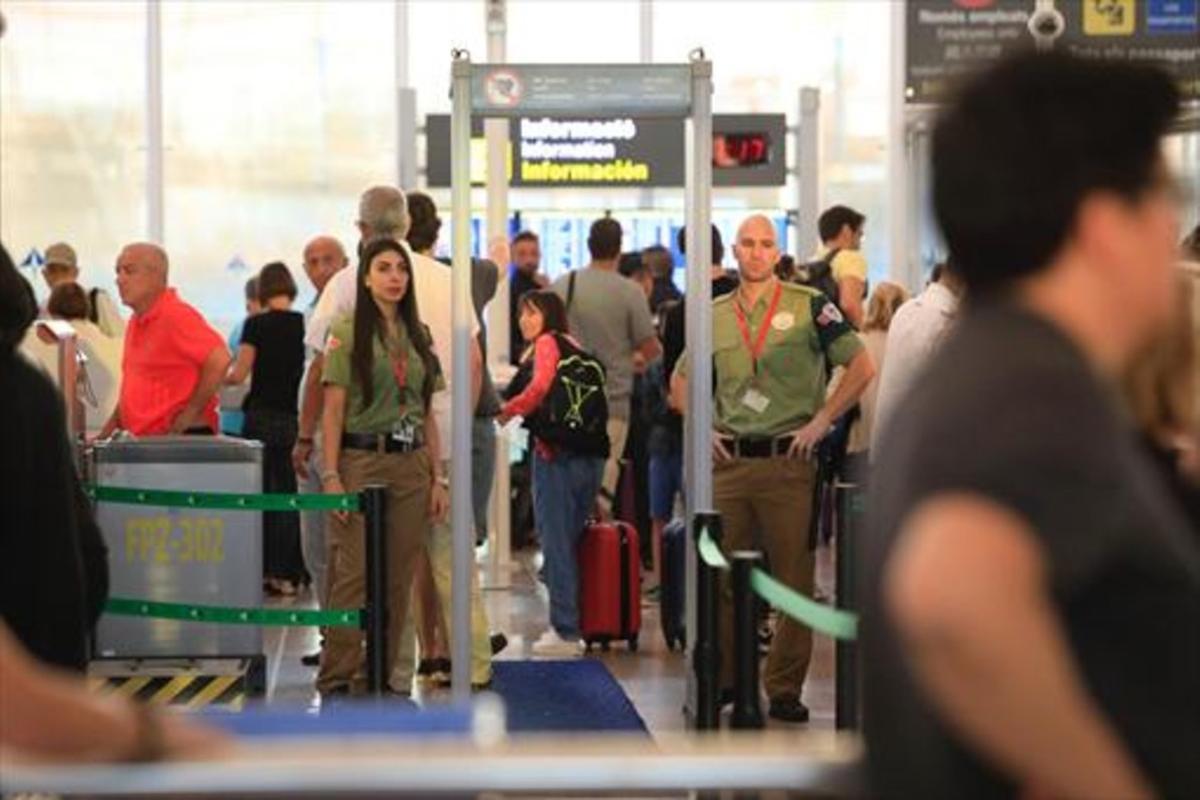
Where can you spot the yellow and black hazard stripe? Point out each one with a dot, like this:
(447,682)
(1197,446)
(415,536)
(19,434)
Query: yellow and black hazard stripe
(189,690)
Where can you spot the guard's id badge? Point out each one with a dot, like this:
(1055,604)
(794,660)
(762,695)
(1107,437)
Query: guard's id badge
(404,432)
(755,400)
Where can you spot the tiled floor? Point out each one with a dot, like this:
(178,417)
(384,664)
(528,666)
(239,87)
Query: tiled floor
(654,678)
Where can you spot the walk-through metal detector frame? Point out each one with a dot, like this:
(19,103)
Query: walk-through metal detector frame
(594,90)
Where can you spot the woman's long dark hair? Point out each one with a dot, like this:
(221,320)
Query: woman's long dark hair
(369,324)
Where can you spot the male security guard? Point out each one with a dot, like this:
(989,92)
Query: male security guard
(772,342)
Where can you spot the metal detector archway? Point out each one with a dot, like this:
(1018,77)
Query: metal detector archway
(513,90)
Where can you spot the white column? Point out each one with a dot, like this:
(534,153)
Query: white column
(154,124)
(808,170)
(463,526)
(698,325)
(899,210)
(496,133)
(406,104)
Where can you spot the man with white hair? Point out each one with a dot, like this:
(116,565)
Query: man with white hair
(174,361)
(383,211)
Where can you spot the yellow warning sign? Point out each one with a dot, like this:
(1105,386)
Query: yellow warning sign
(1109,17)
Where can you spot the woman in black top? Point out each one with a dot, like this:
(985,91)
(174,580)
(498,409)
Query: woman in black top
(272,354)
(53,562)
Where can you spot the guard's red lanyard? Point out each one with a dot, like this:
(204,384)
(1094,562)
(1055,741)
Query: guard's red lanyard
(400,374)
(755,348)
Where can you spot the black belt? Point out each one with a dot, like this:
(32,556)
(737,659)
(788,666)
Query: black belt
(379,443)
(757,446)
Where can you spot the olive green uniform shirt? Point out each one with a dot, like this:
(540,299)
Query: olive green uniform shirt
(807,334)
(390,406)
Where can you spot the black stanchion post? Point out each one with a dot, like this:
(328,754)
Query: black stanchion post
(846,681)
(373,500)
(747,708)
(706,653)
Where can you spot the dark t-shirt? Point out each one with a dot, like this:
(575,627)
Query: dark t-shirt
(278,340)
(53,560)
(1010,410)
(673,340)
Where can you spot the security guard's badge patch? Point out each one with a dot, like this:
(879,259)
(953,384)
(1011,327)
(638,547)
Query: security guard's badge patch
(783,321)
(830,316)
(755,400)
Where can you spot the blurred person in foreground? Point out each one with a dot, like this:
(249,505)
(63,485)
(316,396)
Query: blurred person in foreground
(53,562)
(1031,586)
(1161,388)
(46,714)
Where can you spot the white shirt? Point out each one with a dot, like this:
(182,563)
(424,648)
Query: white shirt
(434,286)
(918,330)
(103,367)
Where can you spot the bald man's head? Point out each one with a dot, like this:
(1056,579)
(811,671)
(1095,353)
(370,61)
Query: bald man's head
(323,257)
(756,248)
(142,269)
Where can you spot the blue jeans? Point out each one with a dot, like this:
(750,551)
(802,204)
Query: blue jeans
(564,493)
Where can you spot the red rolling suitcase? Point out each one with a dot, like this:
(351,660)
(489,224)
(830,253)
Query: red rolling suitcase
(610,566)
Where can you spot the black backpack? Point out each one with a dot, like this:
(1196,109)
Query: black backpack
(819,275)
(574,413)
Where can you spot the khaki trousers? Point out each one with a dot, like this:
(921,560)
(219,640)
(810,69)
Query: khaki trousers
(441,558)
(618,432)
(771,496)
(407,477)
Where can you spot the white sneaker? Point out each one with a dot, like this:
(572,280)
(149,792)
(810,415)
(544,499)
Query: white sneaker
(551,645)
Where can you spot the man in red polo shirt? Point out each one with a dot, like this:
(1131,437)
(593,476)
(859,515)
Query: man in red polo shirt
(174,361)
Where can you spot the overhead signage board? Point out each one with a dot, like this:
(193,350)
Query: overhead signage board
(645,90)
(622,151)
(948,38)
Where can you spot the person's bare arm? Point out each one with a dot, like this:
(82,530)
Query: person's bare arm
(649,349)
(439,493)
(853,383)
(49,714)
(967,589)
(212,371)
(477,368)
(850,298)
(310,415)
(677,399)
(111,426)
(333,419)
(240,369)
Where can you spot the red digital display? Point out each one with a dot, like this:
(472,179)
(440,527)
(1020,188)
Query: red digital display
(733,150)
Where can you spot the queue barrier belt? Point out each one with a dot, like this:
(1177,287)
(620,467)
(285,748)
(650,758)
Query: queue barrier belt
(821,618)
(129,607)
(223,500)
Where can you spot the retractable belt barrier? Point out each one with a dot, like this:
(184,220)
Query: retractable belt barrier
(821,618)
(750,579)
(371,618)
(222,500)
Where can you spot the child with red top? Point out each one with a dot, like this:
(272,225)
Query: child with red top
(565,480)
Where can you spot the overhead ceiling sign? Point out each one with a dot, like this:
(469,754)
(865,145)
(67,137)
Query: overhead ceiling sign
(630,151)
(603,89)
(948,38)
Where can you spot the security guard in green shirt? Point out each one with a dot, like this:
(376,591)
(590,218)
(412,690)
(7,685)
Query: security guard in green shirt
(773,345)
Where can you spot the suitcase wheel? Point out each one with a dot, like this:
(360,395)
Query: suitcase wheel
(633,643)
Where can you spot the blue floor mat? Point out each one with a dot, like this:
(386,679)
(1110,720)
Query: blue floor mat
(579,695)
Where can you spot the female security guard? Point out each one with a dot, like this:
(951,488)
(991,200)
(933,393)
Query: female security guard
(380,373)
